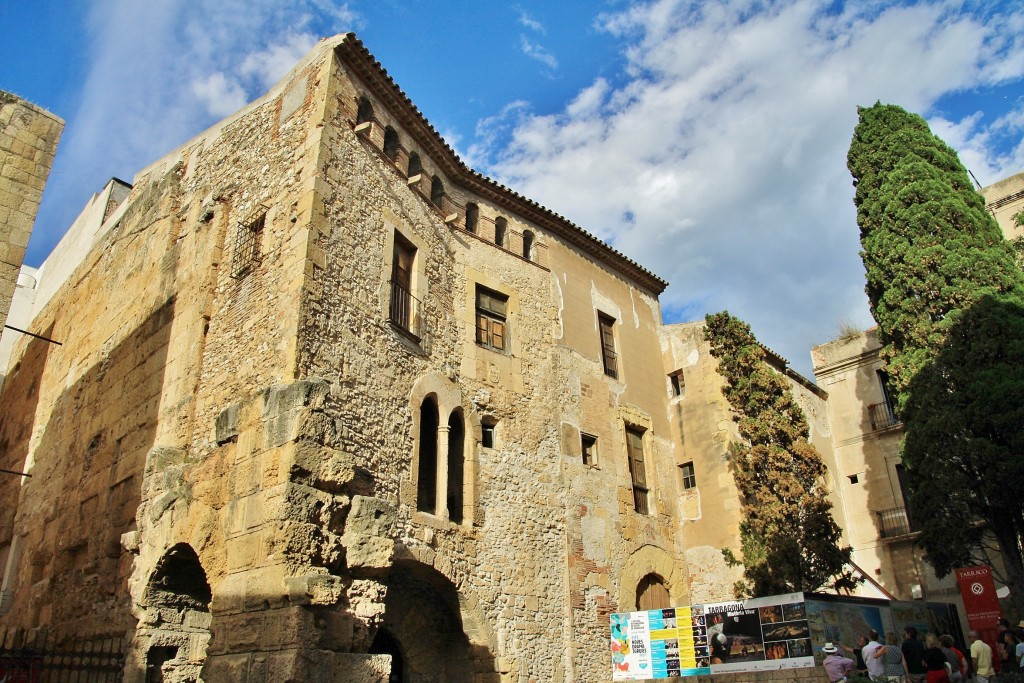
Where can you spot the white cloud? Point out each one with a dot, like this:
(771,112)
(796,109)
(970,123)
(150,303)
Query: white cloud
(269,65)
(537,51)
(721,161)
(529,22)
(221,96)
(151,64)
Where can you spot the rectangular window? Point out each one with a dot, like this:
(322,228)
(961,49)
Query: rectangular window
(637,473)
(247,246)
(401,311)
(608,356)
(688,475)
(487,434)
(589,448)
(676,380)
(491,327)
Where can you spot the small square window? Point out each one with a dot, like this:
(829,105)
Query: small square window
(487,434)
(853,478)
(677,382)
(588,445)
(688,476)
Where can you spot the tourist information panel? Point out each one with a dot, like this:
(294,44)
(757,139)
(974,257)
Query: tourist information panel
(776,632)
(752,635)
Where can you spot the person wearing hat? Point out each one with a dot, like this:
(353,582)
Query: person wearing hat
(836,666)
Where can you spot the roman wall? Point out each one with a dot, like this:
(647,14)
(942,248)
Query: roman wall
(28,142)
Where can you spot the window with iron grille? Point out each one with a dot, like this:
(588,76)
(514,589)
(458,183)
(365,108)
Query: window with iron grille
(688,475)
(637,472)
(608,356)
(491,325)
(247,246)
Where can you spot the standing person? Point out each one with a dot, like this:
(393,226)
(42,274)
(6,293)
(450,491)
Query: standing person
(874,665)
(935,661)
(960,667)
(858,655)
(981,657)
(1019,652)
(1012,645)
(1005,656)
(836,666)
(913,653)
(892,656)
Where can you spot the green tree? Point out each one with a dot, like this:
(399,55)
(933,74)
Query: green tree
(948,296)
(788,538)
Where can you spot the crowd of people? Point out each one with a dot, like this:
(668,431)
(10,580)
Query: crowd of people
(935,659)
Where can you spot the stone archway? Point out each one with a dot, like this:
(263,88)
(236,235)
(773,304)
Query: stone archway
(175,626)
(423,625)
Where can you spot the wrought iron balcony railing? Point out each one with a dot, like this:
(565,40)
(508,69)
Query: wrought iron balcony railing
(404,311)
(893,522)
(882,416)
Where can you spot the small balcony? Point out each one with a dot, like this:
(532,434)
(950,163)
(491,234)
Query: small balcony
(404,311)
(893,522)
(882,416)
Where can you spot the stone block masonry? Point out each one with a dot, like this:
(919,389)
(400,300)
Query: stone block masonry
(28,142)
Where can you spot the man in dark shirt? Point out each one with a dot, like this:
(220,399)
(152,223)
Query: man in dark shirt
(913,652)
(1006,658)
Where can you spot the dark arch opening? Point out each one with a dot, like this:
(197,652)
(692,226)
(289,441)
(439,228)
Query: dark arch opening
(436,192)
(415,165)
(472,216)
(456,460)
(500,226)
(391,143)
(426,480)
(386,644)
(527,244)
(422,614)
(175,628)
(365,111)
(179,580)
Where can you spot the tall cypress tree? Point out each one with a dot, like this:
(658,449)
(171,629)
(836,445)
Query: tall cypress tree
(948,297)
(789,540)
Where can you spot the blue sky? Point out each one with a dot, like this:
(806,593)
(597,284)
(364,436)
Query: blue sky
(705,140)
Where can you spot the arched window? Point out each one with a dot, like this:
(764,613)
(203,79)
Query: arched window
(436,192)
(456,463)
(651,593)
(472,216)
(426,482)
(527,244)
(415,167)
(365,111)
(500,228)
(390,143)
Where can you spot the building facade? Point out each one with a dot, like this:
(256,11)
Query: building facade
(328,400)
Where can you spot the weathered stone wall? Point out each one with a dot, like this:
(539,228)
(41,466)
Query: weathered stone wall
(28,141)
(548,545)
(262,425)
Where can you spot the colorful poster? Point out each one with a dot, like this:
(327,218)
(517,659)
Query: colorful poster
(752,635)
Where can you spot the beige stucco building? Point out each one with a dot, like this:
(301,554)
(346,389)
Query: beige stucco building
(1005,199)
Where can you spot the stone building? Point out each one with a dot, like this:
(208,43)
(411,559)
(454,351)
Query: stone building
(328,395)
(28,142)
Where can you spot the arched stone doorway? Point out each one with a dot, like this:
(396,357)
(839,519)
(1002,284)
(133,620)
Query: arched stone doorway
(424,632)
(175,624)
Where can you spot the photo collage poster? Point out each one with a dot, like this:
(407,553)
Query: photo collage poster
(752,635)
